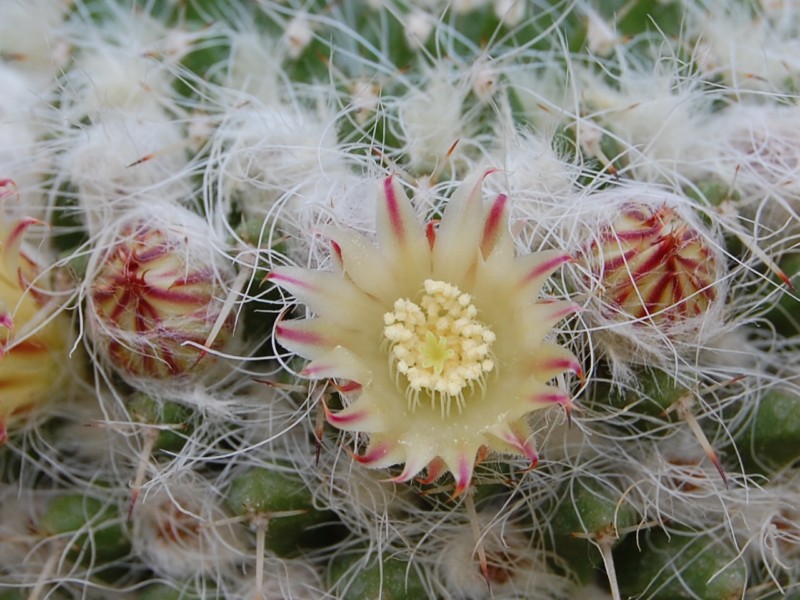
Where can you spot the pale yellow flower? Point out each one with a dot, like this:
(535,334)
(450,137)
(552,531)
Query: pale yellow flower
(34,341)
(437,335)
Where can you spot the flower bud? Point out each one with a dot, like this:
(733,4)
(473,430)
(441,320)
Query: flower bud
(156,290)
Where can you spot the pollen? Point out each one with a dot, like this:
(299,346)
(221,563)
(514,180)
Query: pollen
(439,345)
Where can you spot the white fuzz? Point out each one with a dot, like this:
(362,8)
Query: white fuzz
(418,27)
(484,78)
(364,99)
(343,200)
(536,179)
(129,64)
(515,569)
(24,159)
(261,154)
(600,35)
(114,78)
(430,118)
(510,12)
(653,114)
(254,66)
(750,52)
(755,151)
(21,550)
(297,36)
(30,35)
(767,524)
(287,580)
(177,530)
(123,161)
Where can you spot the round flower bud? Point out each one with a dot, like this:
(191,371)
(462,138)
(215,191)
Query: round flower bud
(156,294)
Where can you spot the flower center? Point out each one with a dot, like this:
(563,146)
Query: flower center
(439,345)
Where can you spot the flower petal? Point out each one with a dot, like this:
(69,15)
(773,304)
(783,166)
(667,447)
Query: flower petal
(534,269)
(495,226)
(310,338)
(364,265)
(462,471)
(362,415)
(460,231)
(514,438)
(403,242)
(329,296)
(339,363)
(550,360)
(415,461)
(538,319)
(381,452)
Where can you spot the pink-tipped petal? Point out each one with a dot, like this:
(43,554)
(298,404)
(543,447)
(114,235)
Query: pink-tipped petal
(310,338)
(336,253)
(430,233)
(534,269)
(542,317)
(495,225)
(517,438)
(330,296)
(414,463)
(550,360)
(380,454)
(338,363)
(460,231)
(359,416)
(363,265)
(405,250)
(463,474)
(435,469)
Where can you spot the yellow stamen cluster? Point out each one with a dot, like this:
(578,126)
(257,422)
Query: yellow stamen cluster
(438,344)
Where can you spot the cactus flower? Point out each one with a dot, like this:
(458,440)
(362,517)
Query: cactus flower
(34,341)
(437,337)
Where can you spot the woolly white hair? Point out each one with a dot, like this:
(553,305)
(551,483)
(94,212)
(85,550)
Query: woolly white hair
(750,50)
(289,580)
(652,110)
(516,568)
(262,153)
(32,34)
(175,529)
(124,161)
(754,150)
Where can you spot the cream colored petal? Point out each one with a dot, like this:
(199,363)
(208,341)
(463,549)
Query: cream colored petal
(330,296)
(362,415)
(550,360)
(535,321)
(309,338)
(404,247)
(495,229)
(458,239)
(338,363)
(364,265)
(532,271)
(513,438)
